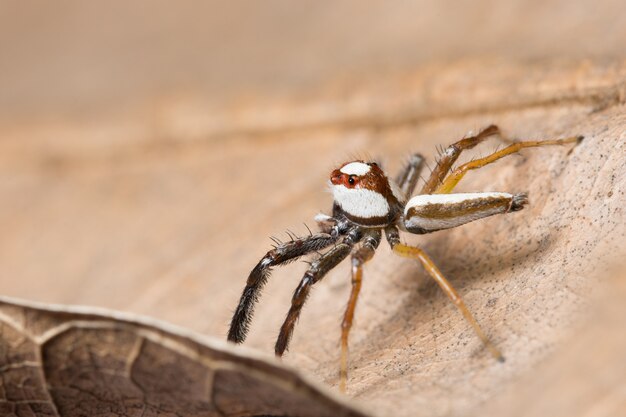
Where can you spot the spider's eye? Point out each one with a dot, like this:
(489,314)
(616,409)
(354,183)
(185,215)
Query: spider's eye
(351,180)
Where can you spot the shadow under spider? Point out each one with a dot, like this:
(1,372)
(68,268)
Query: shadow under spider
(472,264)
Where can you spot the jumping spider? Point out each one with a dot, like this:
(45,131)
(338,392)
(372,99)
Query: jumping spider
(367,203)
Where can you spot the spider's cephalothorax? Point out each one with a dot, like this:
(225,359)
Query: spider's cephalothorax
(367,203)
(365,195)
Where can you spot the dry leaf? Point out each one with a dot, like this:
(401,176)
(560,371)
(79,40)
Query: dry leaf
(586,374)
(167,216)
(57,361)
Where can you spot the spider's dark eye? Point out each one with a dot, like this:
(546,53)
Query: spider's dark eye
(351,180)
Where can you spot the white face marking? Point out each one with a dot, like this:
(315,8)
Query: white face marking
(428,223)
(355,168)
(361,202)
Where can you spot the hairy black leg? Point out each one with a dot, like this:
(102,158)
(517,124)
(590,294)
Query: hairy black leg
(282,254)
(369,244)
(451,154)
(319,268)
(407,178)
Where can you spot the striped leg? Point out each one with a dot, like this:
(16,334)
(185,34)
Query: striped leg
(453,179)
(362,255)
(407,178)
(428,213)
(452,153)
(411,252)
(319,268)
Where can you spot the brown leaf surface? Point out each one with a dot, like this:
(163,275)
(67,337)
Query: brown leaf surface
(57,361)
(164,214)
(586,373)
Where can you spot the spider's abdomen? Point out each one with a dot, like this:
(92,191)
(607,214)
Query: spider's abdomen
(431,212)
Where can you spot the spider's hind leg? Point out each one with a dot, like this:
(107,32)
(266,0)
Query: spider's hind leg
(393,237)
(452,153)
(280,255)
(453,179)
(407,178)
(359,258)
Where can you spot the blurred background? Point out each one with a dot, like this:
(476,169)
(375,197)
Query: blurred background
(149,148)
(72,56)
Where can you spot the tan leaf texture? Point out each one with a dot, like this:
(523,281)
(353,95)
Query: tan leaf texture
(58,361)
(164,214)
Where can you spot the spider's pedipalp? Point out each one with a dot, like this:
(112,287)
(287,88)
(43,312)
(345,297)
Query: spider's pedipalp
(325,222)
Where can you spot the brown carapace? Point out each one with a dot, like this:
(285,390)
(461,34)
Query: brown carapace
(367,203)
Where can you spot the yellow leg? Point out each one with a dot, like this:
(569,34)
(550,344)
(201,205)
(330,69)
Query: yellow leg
(453,179)
(452,153)
(364,254)
(346,325)
(416,253)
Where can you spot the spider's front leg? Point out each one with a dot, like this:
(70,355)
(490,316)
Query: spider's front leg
(280,255)
(393,237)
(318,269)
(359,258)
(428,213)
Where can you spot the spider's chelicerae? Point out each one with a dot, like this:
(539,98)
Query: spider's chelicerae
(367,203)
